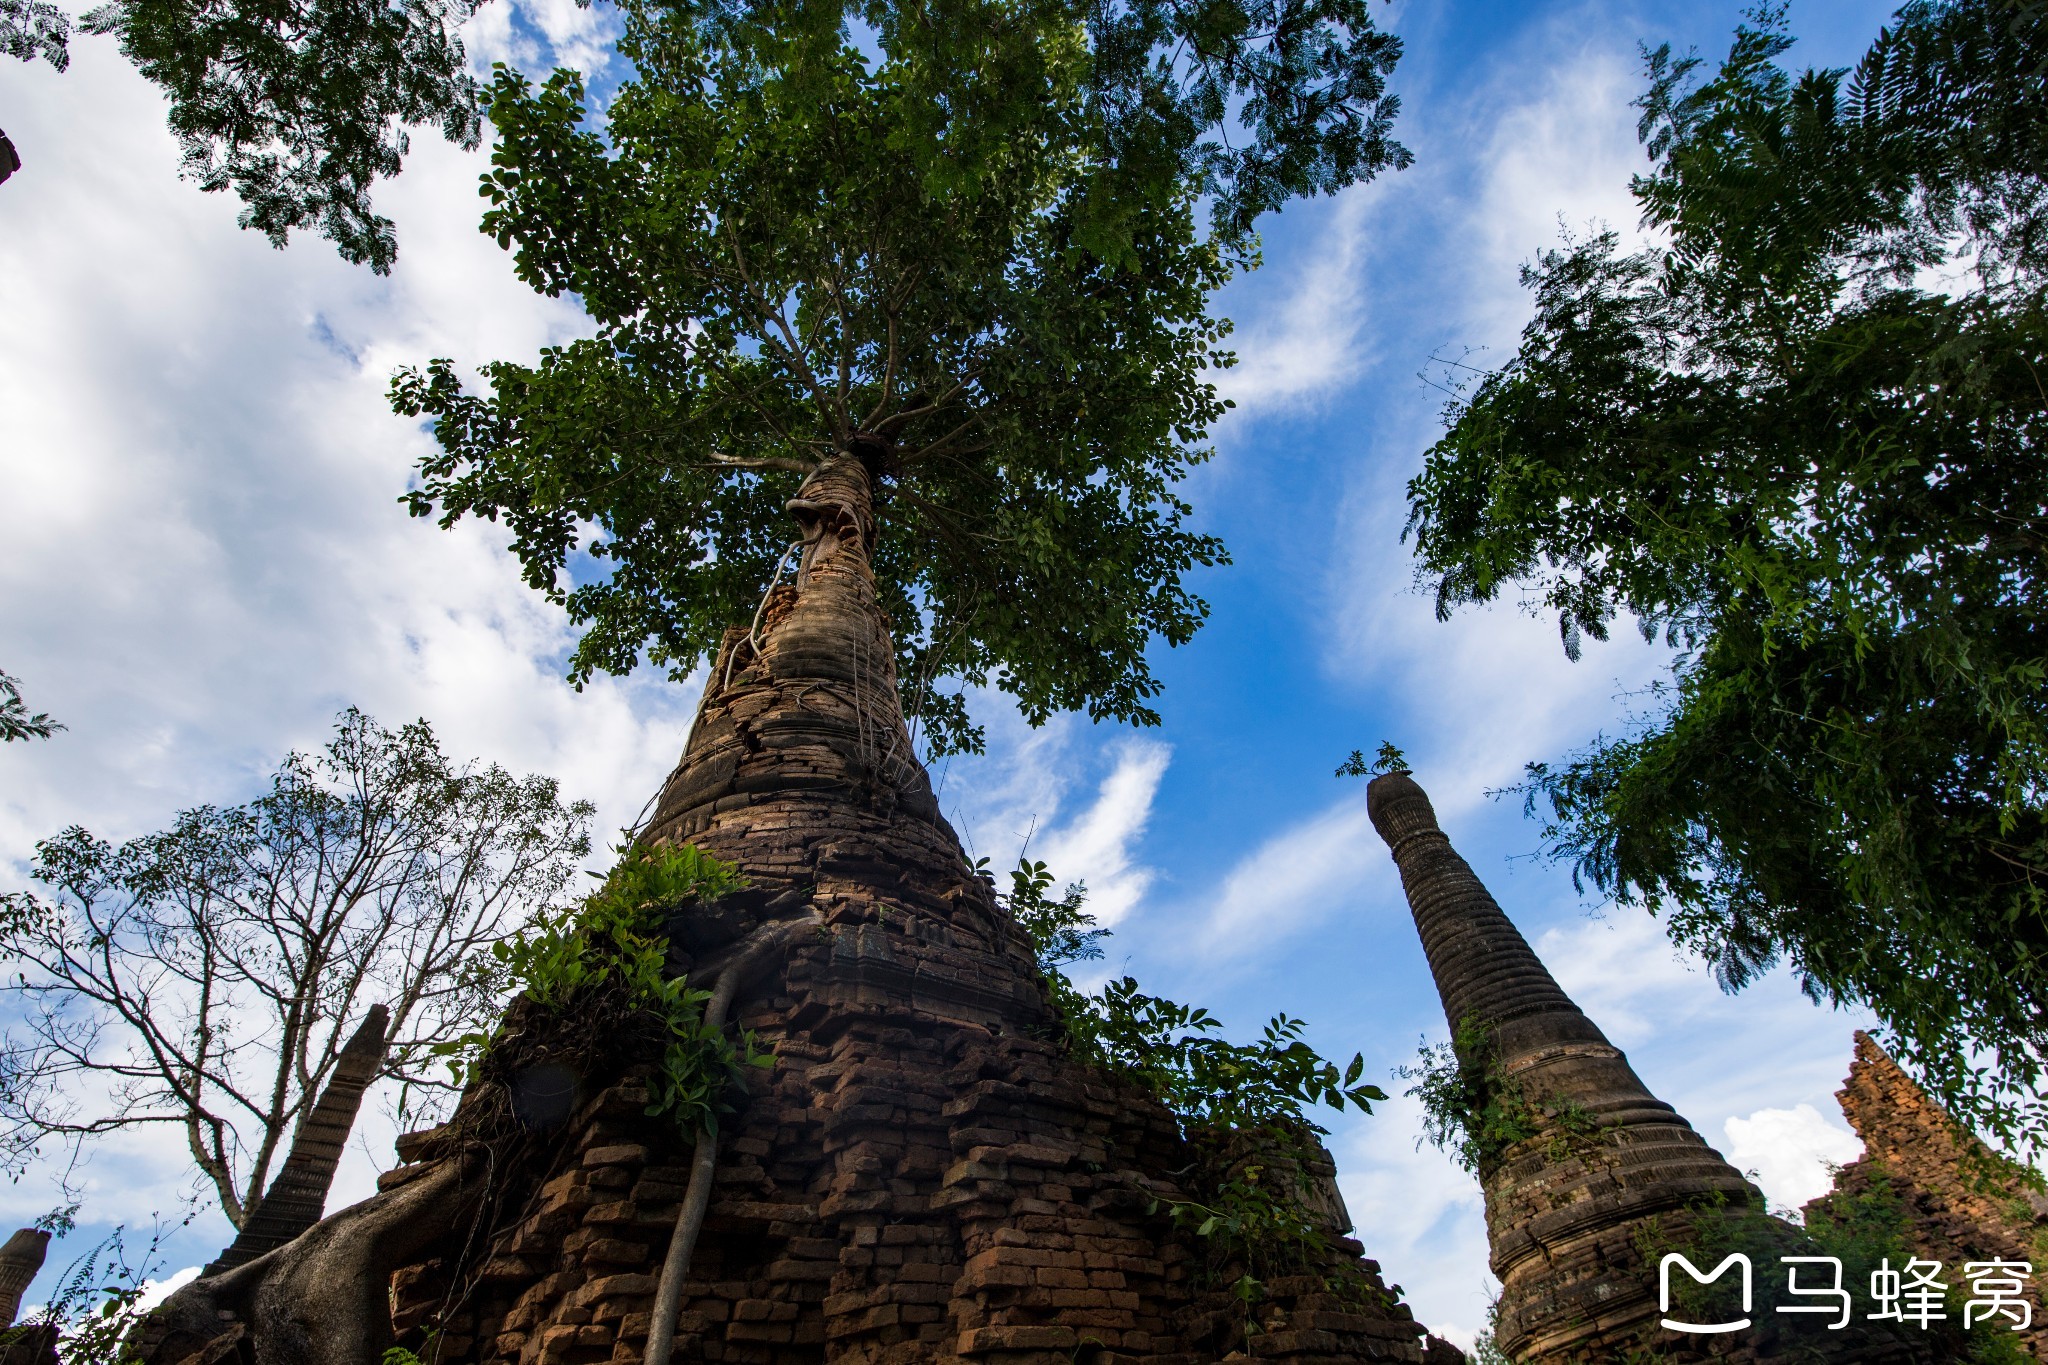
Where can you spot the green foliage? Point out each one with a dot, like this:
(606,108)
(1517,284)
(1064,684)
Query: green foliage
(1207,1081)
(1861,1228)
(207,975)
(1812,465)
(58,1222)
(299,107)
(35,28)
(1475,1111)
(960,237)
(1385,759)
(1486,1348)
(15,720)
(429,1352)
(606,958)
(1062,933)
(1242,1106)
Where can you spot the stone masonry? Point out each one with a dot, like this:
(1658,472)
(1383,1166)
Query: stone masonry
(1960,1202)
(923,1176)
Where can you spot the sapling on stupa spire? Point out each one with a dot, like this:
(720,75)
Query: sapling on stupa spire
(933,279)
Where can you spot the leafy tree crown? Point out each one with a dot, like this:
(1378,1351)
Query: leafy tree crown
(1802,441)
(962,239)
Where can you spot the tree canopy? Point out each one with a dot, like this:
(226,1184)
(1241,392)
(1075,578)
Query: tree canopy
(1803,441)
(299,106)
(16,720)
(965,238)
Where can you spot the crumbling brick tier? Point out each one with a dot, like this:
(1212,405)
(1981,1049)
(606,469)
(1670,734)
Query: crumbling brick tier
(923,1176)
(1959,1202)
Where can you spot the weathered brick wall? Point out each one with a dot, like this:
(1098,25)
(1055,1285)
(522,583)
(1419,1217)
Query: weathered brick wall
(1961,1204)
(894,1191)
(923,1176)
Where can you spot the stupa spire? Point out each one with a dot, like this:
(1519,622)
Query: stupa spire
(1565,1204)
(20,1259)
(801,715)
(298,1196)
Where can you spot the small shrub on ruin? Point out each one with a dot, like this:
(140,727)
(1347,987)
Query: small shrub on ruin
(1243,1107)
(603,962)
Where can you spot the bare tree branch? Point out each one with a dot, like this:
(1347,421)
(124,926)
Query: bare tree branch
(208,975)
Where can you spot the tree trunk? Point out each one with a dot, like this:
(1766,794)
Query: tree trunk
(323,1298)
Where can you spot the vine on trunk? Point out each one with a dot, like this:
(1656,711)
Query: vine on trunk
(1473,1110)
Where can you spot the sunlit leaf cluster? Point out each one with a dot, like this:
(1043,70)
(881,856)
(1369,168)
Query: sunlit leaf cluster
(1801,442)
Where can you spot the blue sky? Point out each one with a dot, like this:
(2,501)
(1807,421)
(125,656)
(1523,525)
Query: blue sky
(206,560)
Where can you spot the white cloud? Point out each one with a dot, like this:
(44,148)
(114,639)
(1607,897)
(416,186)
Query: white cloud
(155,1292)
(1420,1216)
(1291,881)
(1021,798)
(1626,976)
(1306,342)
(538,34)
(207,559)
(1491,687)
(1560,157)
(1098,846)
(1789,1152)
(1003,800)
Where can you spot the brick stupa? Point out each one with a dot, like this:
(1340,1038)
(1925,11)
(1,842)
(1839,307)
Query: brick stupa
(1605,1176)
(922,1177)
(1959,1202)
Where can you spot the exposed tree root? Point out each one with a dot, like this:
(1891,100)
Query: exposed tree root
(321,1299)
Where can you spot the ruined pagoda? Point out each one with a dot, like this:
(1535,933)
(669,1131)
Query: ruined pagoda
(1595,1178)
(1957,1200)
(923,1176)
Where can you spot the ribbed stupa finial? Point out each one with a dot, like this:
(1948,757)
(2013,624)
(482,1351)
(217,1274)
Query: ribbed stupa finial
(1564,1206)
(801,717)
(298,1196)
(20,1259)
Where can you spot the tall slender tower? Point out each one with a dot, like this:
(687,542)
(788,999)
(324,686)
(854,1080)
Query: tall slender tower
(298,1196)
(1565,1204)
(20,1259)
